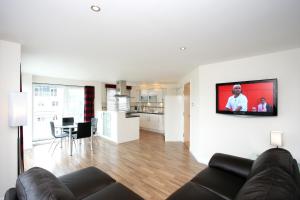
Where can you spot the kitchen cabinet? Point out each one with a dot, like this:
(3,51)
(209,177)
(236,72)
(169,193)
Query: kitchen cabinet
(161,126)
(119,128)
(152,122)
(144,99)
(152,95)
(156,95)
(153,99)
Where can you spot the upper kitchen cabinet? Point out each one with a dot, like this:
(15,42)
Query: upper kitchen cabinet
(152,95)
(144,96)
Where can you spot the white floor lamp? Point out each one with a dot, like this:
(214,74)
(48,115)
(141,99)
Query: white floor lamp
(17,117)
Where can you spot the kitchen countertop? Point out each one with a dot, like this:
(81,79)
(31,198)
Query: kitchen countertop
(131,116)
(139,112)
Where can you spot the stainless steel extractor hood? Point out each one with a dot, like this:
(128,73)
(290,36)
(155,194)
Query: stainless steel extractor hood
(121,89)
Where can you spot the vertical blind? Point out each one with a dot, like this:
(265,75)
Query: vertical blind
(117,103)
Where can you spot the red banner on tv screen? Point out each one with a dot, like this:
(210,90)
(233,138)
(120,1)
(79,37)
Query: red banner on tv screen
(254,92)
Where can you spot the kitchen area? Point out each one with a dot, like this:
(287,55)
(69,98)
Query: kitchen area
(148,103)
(129,109)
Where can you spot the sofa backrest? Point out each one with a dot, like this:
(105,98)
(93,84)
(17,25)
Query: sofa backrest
(270,184)
(296,172)
(274,176)
(275,157)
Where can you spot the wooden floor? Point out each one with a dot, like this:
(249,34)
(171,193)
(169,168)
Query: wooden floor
(149,166)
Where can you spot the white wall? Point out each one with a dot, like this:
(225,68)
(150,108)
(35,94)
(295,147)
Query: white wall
(10,54)
(237,135)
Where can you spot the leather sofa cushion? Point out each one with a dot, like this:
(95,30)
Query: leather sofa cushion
(194,191)
(275,157)
(236,165)
(86,181)
(270,184)
(40,184)
(220,182)
(114,191)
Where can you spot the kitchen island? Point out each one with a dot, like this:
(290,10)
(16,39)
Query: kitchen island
(119,127)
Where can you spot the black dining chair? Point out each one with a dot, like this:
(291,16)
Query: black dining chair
(60,136)
(94,122)
(83,131)
(67,121)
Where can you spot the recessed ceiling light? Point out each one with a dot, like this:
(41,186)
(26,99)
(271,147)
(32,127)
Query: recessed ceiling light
(182,48)
(95,8)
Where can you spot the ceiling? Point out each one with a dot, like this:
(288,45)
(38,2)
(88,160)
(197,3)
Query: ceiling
(140,40)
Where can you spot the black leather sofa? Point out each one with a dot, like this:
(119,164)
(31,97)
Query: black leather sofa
(274,175)
(87,184)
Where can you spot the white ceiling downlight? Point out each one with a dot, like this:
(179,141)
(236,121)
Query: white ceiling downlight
(182,48)
(95,8)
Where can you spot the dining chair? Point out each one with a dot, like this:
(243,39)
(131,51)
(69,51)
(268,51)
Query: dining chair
(83,131)
(94,122)
(67,121)
(56,136)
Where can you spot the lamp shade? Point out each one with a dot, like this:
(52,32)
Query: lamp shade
(276,138)
(17,109)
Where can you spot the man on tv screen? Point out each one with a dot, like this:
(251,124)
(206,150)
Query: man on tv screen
(264,106)
(237,102)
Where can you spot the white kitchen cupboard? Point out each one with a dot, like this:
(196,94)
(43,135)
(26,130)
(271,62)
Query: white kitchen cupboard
(161,122)
(152,122)
(152,95)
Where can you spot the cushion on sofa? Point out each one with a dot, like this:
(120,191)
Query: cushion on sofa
(40,184)
(275,157)
(86,181)
(114,191)
(270,184)
(221,182)
(194,191)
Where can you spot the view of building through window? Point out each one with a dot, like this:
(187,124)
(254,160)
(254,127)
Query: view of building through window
(52,103)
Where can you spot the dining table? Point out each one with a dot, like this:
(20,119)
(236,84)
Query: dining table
(70,128)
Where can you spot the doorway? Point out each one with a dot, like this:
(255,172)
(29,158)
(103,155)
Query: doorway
(186,114)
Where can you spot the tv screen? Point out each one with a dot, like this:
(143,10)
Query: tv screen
(257,97)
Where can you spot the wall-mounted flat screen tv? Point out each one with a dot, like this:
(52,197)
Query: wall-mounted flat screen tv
(257,97)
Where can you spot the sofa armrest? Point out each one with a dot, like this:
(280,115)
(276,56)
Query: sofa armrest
(236,165)
(11,194)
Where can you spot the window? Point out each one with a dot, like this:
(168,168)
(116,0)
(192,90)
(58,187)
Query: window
(111,99)
(52,103)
